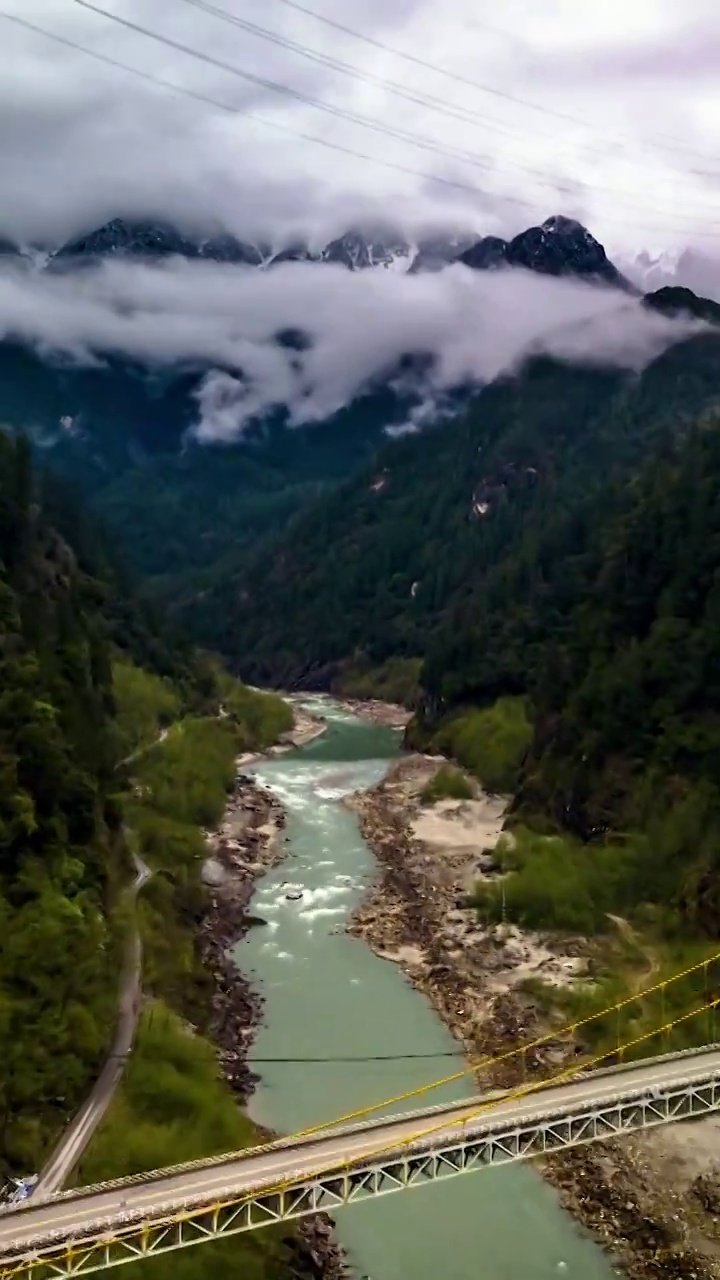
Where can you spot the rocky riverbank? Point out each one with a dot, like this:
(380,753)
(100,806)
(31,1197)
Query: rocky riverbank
(246,844)
(390,714)
(643,1198)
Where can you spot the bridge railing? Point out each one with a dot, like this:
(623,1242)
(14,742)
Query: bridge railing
(474,1108)
(704,975)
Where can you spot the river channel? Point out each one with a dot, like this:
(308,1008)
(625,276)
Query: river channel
(328,997)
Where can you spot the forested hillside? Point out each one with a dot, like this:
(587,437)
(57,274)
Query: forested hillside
(166,448)
(176,507)
(87,676)
(61,856)
(469,529)
(612,740)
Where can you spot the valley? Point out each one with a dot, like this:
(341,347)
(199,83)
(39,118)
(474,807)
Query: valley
(327,996)
(359,640)
(458,500)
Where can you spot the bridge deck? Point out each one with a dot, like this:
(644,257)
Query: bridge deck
(91,1211)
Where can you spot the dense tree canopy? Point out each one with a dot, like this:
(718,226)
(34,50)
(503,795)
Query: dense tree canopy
(88,677)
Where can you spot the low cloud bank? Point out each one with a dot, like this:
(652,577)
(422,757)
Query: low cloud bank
(230,320)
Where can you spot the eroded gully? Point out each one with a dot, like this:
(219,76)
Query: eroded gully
(328,997)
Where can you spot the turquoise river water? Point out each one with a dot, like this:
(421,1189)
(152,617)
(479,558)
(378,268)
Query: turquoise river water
(328,996)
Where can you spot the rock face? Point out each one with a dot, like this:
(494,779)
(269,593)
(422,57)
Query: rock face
(487,254)
(560,247)
(119,238)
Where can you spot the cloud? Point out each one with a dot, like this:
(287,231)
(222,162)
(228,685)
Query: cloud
(462,326)
(83,141)
(675,53)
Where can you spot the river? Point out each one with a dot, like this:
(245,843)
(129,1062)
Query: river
(328,996)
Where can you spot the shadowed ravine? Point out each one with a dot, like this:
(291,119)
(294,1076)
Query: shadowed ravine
(327,995)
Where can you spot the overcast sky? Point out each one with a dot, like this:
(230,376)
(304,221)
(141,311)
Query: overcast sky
(81,141)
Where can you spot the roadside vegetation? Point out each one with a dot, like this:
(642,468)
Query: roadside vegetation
(173,1104)
(177,790)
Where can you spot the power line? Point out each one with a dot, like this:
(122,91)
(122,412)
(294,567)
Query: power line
(675,144)
(162,83)
(288,91)
(114,62)
(454,111)
(372,1057)
(341,148)
(338,112)
(422,99)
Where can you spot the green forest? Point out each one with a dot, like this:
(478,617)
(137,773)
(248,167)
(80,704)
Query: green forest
(475,528)
(90,681)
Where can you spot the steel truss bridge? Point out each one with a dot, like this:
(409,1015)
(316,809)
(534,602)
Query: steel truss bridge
(353,1158)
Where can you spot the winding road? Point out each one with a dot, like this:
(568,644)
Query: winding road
(80,1130)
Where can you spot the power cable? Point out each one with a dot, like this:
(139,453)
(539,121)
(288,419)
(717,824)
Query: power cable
(367,1057)
(296,94)
(424,99)
(672,144)
(162,83)
(308,100)
(354,153)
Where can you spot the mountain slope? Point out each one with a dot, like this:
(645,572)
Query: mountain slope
(125,431)
(628,686)
(60,847)
(473,512)
(69,621)
(557,247)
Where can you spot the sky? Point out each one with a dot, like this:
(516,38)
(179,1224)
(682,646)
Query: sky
(421,115)
(607,112)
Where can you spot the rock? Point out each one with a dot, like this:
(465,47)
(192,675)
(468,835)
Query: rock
(707,1189)
(213,872)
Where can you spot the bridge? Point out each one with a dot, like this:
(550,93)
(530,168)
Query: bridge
(353,1157)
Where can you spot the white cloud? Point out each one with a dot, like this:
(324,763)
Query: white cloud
(226,319)
(82,142)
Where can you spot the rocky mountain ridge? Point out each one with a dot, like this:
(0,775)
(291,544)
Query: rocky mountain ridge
(560,246)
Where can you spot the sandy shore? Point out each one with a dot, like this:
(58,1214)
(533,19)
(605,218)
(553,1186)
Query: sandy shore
(652,1200)
(247,843)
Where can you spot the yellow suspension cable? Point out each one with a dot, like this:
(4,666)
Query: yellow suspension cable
(492,1061)
(288,1184)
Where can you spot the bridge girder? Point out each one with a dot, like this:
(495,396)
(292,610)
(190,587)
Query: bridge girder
(481,1146)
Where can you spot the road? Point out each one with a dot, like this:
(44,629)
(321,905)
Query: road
(80,1130)
(84,1211)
